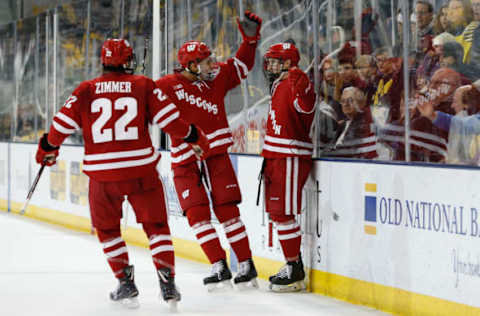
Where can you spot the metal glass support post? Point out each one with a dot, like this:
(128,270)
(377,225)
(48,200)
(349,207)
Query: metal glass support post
(35,76)
(87,39)
(189,19)
(55,38)
(47,64)
(122,18)
(330,10)
(406,41)
(156,35)
(316,73)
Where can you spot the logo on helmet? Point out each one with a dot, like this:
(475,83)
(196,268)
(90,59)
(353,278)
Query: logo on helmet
(117,53)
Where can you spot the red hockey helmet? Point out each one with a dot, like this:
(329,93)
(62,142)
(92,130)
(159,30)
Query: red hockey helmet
(193,51)
(116,53)
(284,51)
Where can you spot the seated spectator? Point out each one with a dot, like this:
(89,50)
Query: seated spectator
(354,137)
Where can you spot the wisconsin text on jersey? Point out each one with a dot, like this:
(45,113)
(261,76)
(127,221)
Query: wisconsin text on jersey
(113,86)
(276,126)
(201,103)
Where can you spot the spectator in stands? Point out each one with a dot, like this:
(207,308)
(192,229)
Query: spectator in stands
(367,72)
(431,61)
(393,134)
(464,132)
(470,38)
(459,15)
(459,105)
(328,73)
(452,56)
(355,138)
(429,143)
(386,100)
(424,18)
(440,22)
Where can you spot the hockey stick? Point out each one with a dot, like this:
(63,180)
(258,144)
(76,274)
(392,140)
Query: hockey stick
(32,189)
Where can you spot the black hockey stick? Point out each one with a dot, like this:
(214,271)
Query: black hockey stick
(32,189)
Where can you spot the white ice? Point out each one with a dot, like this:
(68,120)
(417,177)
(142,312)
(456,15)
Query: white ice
(49,270)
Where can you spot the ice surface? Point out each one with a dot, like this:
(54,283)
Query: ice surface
(48,270)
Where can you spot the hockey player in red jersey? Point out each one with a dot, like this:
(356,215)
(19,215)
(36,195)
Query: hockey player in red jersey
(288,152)
(113,111)
(199,89)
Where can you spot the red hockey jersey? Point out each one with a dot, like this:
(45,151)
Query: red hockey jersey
(202,103)
(289,123)
(114,111)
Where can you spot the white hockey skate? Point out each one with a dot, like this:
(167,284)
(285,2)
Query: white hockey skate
(126,293)
(220,279)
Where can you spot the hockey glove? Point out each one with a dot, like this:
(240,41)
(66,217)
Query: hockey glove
(46,153)
(199,142)
(250,27)
(299,82)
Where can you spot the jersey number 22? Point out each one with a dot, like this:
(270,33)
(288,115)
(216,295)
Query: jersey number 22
(104,105)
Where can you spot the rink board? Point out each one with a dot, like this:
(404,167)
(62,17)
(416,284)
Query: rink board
(405,239)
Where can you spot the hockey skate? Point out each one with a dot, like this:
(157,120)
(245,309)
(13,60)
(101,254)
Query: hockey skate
(220,277)
(126,292)
(247,275)
(168,289)
(290,278)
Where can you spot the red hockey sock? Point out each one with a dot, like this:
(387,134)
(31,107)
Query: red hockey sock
(229,216)
(238,239)
(290,238)
(199,220)
(115,249)
(208,239)
(160,245)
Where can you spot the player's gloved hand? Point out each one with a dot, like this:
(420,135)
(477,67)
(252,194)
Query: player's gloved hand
(199,142)
(46,153)
(250,27)
(298,81)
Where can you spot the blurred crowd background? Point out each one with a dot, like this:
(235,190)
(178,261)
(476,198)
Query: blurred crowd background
(404,59)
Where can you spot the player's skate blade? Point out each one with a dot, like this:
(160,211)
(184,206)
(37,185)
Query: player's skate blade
(249,285)
(129,302)
(219,286)
(173,305)
(294,287)
(220,278)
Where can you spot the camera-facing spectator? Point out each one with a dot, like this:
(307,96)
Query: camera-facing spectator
(386,100)
(459,15)
(440,22)
(355,138)
(424,18)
